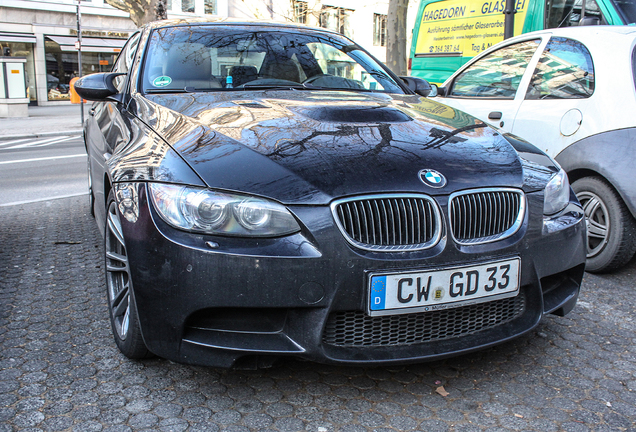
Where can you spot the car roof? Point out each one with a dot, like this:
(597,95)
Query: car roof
(233,22)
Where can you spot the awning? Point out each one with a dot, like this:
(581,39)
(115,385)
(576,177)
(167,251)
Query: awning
(17,37)
(89,44)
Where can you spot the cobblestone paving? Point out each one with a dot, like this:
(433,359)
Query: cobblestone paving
(60,369)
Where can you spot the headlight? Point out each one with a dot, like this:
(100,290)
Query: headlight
(211,212)
(557,193)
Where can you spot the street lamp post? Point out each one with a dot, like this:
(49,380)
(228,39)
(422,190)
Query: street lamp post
(509,20)
(79,54)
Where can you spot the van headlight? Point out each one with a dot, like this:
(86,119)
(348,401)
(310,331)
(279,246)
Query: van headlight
(556,194)
(220,213)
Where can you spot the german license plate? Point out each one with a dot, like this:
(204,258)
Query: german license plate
(428,290)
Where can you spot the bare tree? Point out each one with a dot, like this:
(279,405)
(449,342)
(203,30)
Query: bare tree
(142,11)
(396,37)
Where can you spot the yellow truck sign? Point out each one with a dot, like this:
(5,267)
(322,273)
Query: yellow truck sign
(464,28)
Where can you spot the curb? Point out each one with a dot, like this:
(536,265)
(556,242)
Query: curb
(41,134)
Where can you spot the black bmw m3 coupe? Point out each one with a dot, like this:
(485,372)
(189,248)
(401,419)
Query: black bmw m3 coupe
(271,190)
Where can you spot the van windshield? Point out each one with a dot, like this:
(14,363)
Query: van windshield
(219,58)
(627,9)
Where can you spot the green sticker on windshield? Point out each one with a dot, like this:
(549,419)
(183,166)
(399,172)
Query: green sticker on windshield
(162,81)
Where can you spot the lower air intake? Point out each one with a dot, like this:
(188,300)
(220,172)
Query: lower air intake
(357,329)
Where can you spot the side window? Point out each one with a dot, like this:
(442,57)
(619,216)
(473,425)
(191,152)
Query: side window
(566,13)
(125,60)
(496,75)
(565,71)
(634,65)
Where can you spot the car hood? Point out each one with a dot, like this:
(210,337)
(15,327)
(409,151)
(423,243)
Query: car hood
(302,147)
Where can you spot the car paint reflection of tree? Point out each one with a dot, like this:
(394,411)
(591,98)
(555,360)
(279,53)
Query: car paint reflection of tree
(341,151)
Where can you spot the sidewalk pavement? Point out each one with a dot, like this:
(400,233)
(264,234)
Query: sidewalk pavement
(44,121)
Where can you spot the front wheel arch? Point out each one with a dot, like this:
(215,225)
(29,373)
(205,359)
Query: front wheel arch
(122,308)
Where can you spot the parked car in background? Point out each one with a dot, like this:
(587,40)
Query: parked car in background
(571,92)
(272,190)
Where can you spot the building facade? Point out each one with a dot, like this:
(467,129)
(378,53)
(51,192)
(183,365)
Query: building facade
(45,32)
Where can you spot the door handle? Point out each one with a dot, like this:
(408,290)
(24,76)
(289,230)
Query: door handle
(495,115)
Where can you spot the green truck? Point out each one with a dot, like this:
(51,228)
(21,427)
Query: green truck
(448,33)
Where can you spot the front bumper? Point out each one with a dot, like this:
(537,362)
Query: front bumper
(239,300)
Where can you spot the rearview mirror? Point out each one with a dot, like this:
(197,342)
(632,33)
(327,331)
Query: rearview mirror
(98,87)
(418,85)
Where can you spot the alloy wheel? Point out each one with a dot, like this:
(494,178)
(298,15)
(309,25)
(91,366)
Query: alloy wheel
(597,220)
(117,273)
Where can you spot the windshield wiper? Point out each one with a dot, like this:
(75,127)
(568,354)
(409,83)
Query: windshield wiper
(300,87)
(351,89)
(166,90)
(275,87)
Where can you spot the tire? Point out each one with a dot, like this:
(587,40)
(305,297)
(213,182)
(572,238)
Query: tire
(121,305)
(611,229)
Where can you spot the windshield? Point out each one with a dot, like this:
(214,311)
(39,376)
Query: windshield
(214,58)
(627,9)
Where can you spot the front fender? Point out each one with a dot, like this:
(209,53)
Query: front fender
(610,154)
(147,157)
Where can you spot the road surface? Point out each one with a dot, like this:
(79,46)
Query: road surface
(40,169)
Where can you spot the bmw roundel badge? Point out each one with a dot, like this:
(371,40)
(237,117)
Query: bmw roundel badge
(432,178)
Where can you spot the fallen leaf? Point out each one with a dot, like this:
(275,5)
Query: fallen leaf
(441,390)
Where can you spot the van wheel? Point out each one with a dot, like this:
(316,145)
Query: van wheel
(611,229)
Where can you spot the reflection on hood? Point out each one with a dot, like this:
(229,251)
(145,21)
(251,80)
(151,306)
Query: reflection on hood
(301,146)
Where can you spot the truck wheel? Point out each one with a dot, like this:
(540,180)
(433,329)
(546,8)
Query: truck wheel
(611,229)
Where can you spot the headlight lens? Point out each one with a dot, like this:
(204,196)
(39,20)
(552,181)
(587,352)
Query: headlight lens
(557,193)
(212,212)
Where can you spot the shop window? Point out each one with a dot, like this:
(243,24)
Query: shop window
(209,7)
(565,71)
(187,6)
(62,66)
(300,11)
(379,30)
(336,19)
(24,50)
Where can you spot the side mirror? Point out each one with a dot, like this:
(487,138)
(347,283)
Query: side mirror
(418,85)
(98,87)
(437,91)
(589,21)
